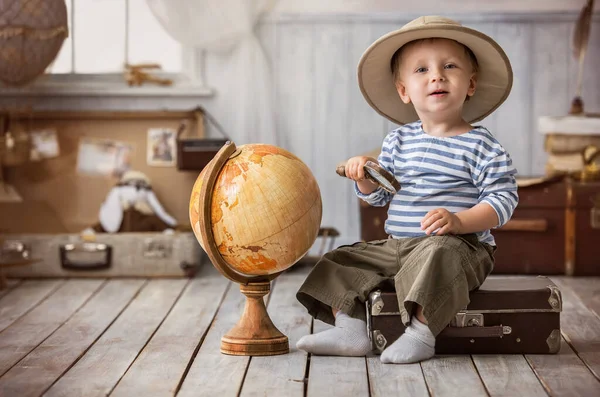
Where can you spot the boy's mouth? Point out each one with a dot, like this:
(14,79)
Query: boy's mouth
(439,92)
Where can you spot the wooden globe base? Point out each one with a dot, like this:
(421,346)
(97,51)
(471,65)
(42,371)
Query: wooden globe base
(255,334)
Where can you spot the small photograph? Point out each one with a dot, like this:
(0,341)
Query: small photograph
(103,157)
(161,150)
(44,144)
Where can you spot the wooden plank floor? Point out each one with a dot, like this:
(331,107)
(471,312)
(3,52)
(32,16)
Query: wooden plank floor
(160,337)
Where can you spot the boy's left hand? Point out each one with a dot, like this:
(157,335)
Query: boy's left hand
(442,219)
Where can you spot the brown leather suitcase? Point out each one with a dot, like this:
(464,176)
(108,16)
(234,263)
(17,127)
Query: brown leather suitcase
(506,315)
(555,229)
(372,220)
(533,241)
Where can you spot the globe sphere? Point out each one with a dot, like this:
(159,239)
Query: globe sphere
(265,210)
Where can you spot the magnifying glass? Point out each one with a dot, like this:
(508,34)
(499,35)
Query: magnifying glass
(377,174)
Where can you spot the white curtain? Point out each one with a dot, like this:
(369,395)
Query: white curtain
(225,30)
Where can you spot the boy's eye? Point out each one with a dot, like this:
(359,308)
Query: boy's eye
(449,66)
(421,70)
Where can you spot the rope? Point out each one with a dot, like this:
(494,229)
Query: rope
(7,32)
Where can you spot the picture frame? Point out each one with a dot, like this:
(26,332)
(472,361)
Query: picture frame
(161,150)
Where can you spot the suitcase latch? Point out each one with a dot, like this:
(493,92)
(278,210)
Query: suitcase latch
(376,302)
(467,320)
(157,248)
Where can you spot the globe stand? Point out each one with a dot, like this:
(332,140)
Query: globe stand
(254,334)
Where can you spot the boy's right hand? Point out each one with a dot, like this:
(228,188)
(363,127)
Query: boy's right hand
(355,170)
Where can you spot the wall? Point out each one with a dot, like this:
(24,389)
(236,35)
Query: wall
(322,117)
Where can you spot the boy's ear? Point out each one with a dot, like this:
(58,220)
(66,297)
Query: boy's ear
(402,92)
(472,85)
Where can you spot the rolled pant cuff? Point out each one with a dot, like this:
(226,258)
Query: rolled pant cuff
(433,321)
(435,327)
(319,304)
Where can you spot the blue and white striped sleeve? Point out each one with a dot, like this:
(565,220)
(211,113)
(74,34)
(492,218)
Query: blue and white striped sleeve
(380,197)
(498,187)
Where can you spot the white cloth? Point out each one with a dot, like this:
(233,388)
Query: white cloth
(226,28)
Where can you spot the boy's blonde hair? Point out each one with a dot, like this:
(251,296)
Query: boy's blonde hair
(397,58)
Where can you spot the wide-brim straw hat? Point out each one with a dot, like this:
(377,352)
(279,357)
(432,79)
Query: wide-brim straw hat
(376,82)
(132,175)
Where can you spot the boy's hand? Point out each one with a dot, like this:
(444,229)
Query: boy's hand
(355,170)
(355,167)
(442,219)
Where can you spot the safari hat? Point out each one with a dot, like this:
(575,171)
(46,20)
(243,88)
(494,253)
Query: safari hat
(494,78)
(131,176)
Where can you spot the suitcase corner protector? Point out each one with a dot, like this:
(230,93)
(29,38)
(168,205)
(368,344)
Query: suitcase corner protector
(379,342)
(553,341)
(375,302)
(555,299)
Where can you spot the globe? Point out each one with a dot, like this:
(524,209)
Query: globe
(265,211)
(256,210)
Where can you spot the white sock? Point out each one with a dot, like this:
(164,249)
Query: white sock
(348,338)
(416,344)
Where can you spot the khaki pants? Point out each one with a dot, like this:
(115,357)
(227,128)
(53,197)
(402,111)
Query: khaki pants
(435,272)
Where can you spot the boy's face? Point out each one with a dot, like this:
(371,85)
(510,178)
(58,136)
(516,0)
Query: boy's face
(436,76)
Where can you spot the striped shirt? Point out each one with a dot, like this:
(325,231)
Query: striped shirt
(454,173)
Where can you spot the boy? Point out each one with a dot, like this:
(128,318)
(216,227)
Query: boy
(434,77)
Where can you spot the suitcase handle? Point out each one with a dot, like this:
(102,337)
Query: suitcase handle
(101,255)
(525,225)
(496,331)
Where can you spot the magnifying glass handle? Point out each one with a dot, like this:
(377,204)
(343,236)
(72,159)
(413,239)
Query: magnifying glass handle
(377,174)
(341,170)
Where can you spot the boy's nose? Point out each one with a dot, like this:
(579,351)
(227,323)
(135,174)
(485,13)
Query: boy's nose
(436,76)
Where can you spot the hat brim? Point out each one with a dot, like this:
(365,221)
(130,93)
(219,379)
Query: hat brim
(376,82)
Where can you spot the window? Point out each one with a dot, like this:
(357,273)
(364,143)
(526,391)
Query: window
(106,34)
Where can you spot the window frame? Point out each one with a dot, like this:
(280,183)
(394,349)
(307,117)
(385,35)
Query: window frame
(190,82)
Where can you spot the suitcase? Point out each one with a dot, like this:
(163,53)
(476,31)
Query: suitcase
(194,150)
(141,254)
(555,229)
(506,315)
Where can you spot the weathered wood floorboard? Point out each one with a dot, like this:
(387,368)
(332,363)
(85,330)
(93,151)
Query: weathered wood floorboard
(99,370)
(389,379)
(564,374)
(161,365)
(47,362)
(282,375)
(29,331)
(25,298)
(586,288)
(508,375)
(213,373)
(452,376)
(123,338)
(581,328)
